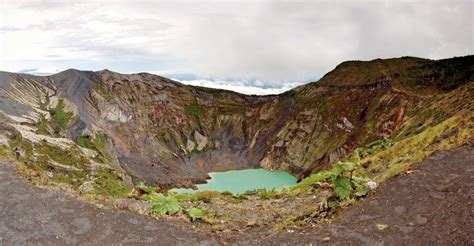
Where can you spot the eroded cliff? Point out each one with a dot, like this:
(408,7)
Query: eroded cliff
(169,134)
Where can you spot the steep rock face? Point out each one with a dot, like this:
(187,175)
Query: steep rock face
(163,132)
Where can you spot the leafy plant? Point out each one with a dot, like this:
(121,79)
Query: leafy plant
(361,188)
(164,204)
(341,176)
(196,213)
(343,187)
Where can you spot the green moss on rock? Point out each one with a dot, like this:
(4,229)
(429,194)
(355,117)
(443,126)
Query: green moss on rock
(60,116)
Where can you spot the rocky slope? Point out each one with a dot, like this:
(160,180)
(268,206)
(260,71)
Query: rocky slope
(162,132)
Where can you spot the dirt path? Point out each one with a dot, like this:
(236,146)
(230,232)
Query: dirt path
(434,205)
(34,216)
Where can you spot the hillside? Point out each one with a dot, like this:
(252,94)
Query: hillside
(143,127)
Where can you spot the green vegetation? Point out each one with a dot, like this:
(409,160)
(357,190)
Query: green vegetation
(173,203)
(107,183)
(398,158)
(345,184)
(42,125)
(196,213)
(69,157)
(104,92)
(146,189)
(291,221)
(98,142)
(46,163)
(59,116)
(67,178)
(163,204)
(205,196)
(85,141)
(194,109)
(264,194)
(371,148)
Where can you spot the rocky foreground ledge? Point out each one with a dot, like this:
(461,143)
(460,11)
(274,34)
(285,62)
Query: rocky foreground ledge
(36,216)
(430,205)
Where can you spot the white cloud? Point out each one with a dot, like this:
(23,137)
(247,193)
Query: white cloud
(42,70)
(241,87)
(272,41)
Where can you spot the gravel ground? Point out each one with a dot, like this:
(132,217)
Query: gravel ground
(33,216)
(433,205)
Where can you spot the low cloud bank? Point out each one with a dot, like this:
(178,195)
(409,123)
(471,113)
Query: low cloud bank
(241,87)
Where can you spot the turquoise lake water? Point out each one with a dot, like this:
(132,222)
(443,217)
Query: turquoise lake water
(244,180)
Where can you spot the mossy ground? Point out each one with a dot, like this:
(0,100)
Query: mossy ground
(108,183)
(45,163)
(404,153)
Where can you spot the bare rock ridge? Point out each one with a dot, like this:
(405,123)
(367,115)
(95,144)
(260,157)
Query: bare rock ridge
(166,133)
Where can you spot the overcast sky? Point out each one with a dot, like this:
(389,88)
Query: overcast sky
(249,46)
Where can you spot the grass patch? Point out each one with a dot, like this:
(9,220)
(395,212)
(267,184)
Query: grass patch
(42,125)
(107,183)
(102,90)
(372,148)
(70,157)
(404,153)
(60,116)
(97,142)
(65,178)
(263,194)
(205,196)
(194,109)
